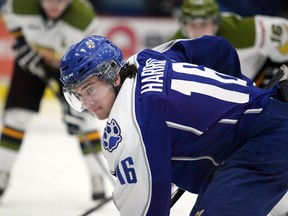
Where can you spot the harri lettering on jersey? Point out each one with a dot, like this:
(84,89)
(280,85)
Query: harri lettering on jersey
(152,76)
(111,136)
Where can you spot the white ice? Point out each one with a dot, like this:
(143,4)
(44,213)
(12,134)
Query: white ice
(49,177)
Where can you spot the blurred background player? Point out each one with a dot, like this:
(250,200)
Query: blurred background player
(43,30)
(261,42)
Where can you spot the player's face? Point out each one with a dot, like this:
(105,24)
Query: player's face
(199,28)
(97,96)
(54,8)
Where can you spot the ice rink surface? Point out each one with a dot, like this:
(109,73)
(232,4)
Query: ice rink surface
(49,177)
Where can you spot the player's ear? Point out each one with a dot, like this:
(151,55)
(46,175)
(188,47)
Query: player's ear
(117,80)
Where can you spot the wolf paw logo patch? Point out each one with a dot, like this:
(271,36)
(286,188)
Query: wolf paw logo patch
(111,136)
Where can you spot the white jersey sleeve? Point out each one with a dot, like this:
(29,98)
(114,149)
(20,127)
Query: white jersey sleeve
(11,20)
(272,37)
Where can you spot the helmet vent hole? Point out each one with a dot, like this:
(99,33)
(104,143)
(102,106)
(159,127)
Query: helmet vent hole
(80,60)
(81,70)
(63,69)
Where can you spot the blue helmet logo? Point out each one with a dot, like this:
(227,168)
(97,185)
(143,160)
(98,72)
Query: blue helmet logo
(112,136)
(90,44)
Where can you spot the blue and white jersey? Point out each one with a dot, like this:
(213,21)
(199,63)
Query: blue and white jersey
(177,122)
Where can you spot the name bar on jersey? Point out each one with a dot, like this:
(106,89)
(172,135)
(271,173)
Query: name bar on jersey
(152,76)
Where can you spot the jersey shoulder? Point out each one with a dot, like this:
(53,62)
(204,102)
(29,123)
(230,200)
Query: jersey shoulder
(239,31)
(80,14)
(27,7)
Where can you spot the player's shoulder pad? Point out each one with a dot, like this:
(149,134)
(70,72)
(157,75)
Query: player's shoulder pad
(27,7)
(79,14)
(239,31)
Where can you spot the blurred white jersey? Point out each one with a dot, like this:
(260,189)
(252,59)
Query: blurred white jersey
(271,41)
(51,38)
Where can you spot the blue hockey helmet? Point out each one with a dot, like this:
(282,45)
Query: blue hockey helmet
(94,55)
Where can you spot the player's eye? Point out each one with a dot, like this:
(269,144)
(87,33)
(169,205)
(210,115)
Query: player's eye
(90,89)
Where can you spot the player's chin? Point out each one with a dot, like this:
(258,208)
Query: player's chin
(101,114)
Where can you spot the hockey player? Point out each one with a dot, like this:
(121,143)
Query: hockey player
(261,41)
(43,30)
(173,121)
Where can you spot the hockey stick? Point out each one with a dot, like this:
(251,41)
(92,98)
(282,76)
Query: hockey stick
(281,74)
(176,196)
(98,206)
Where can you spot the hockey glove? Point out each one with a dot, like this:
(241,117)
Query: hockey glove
(25,56)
